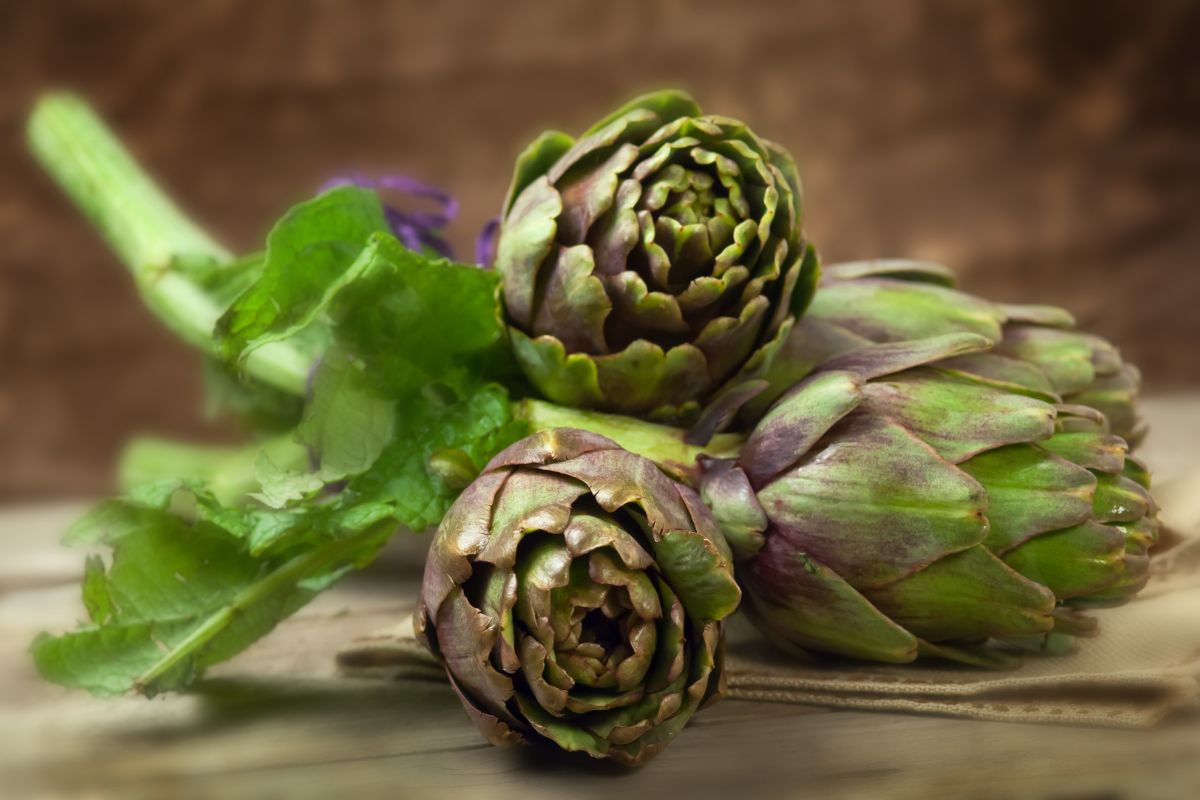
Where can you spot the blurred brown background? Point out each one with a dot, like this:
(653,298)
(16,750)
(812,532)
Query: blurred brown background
(1049,151)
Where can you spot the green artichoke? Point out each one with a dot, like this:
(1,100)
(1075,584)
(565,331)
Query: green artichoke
(895,504)
(649,262)
(1036,350)
(574,594)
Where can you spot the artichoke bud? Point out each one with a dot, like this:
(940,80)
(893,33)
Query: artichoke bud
(896,507)
(1036,349)
(575,595)
(650,261)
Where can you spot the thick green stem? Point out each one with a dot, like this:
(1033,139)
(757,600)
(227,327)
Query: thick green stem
(147,231)
(660,443)
(282,579)
(230,473)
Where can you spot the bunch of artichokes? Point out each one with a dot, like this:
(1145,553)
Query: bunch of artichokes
(883,466)
(916,471)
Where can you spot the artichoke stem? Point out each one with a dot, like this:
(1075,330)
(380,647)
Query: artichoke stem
(230,473)
(661,444)
(145,229)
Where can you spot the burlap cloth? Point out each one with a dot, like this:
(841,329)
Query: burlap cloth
(1144,664)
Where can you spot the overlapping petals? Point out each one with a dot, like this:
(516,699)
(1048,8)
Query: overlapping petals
(894,504)
(650,262)
(575,593)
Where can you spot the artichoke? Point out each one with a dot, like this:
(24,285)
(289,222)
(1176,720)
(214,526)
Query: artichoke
(1036,350)
(901,500)
(574,594)
(650,261)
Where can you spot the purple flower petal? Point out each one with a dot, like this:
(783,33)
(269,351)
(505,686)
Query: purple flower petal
(485,243)
(417,230)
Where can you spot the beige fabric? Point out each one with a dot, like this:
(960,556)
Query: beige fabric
(1144,664)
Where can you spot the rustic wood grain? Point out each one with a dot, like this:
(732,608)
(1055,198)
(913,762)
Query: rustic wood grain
(277,721)
(1047,150)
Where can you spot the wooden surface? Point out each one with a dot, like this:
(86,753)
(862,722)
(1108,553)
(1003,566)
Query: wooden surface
(1045,150)
(278,721)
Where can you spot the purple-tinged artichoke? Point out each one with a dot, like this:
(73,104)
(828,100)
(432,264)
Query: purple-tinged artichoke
(893,504)
(650,261)
(575,595)
(1036,349)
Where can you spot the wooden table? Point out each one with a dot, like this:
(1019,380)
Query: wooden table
(278,721)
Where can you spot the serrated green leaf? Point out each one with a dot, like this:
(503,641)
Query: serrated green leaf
(104,660)
(405,379)
(280,487)
(111,520)
(179,596)
(413,320)
(479,425)
(346,425)
(96,598)
(308,252)
(200,567)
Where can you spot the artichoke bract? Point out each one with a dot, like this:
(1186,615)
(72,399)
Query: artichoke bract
(575,595)
(1036,349)
(891,505)
(648,262)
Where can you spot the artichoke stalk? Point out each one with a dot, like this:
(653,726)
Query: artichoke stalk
(893,504)
(650,262)
(575,595)
(152,237)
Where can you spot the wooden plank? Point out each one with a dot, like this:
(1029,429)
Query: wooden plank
(278,720)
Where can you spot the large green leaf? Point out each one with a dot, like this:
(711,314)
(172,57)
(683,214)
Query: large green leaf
(179,596)
(308,252)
